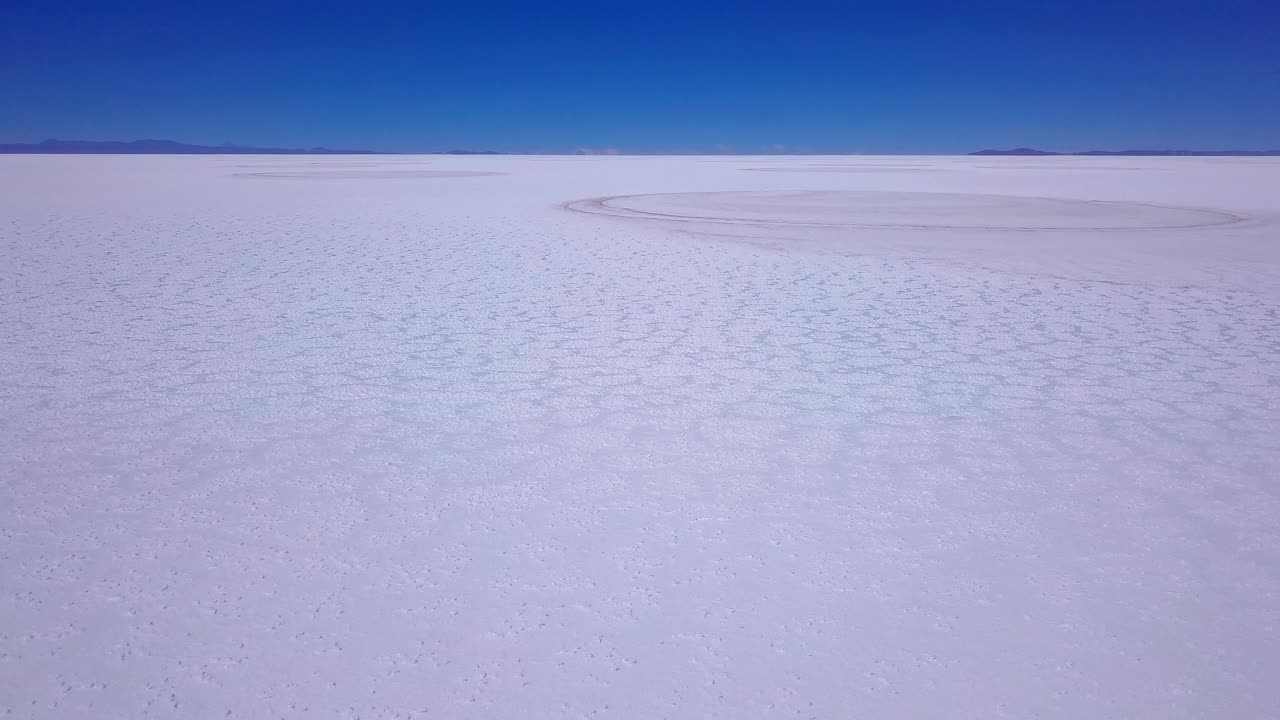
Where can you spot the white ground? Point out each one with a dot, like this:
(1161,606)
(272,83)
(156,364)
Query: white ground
(567,437)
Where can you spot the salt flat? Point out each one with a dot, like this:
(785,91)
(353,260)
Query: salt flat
(882,437)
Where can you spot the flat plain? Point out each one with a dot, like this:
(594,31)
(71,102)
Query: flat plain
(411,436)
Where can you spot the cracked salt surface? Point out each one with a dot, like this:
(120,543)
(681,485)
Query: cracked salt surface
(411,441)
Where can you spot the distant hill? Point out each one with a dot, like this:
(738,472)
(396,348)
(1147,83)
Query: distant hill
(1140,153)
(160,147)
(1015,151)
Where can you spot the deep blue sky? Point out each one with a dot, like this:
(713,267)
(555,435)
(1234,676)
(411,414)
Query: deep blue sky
(647,76)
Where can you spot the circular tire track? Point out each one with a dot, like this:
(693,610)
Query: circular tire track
(367,174)
(886,210)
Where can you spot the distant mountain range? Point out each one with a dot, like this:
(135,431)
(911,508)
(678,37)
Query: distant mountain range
(160,147)
(1142,153)
(169,147)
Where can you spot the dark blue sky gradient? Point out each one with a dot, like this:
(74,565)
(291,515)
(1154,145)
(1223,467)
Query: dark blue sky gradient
(647,76)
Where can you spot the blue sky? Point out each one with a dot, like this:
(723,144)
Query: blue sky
(647,76)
